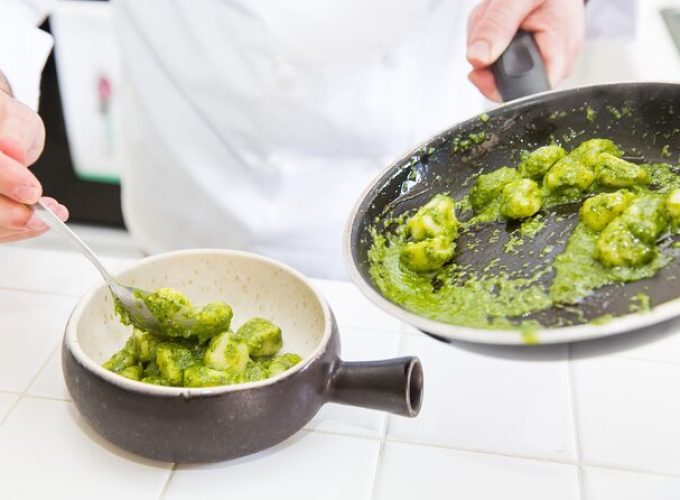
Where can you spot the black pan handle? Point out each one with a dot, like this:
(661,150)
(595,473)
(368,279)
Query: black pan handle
(393,385)
(520,70)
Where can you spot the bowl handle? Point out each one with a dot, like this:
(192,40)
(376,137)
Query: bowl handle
(393,385)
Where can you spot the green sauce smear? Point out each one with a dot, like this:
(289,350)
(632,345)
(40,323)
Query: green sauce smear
(625,209)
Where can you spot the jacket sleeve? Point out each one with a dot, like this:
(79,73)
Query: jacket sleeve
(23,47)
(611,20)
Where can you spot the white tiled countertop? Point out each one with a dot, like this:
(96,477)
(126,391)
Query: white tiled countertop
(592,421)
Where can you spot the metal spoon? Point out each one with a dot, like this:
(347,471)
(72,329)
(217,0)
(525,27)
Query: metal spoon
(130,298)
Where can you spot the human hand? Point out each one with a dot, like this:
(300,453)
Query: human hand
(22,138)
(558,26)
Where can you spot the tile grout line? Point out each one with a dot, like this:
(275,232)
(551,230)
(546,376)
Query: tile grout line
(340,434)
(386,424)
(10,410)
(631,470)
(63,252)
(645,360)
(571,383)
(478,451)
(10,393)
(166,485)
(47,398)
(533,458)
(378,462)
(41,292)
(490,453)
(23,393)
(42,367)
(407,330)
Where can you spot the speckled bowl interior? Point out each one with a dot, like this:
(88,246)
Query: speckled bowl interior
(252,285)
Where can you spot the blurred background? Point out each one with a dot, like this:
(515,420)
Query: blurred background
(626,40)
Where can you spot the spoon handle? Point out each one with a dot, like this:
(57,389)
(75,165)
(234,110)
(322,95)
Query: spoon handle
(50,218)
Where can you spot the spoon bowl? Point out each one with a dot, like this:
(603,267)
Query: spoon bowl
(128,298)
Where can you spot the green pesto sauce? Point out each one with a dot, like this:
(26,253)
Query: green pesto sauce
(177,316)
(529,335)
(640,303)
(547,250)
(462,299)
(532,226)
(602,320)
(496,298)
(528,229)
(578,272)
(207,354)
(591,114)
(557,114)
(514,242)
(463,143)
(619,113)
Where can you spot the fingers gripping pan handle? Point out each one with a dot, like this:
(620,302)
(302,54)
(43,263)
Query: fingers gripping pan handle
(520,71)
(393,385)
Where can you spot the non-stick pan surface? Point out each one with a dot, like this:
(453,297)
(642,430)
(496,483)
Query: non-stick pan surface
(641,118)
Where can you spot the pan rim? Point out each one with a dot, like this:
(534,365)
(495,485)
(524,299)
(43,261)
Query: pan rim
(587,331)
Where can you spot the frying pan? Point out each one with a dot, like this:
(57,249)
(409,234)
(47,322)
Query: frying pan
(640,117)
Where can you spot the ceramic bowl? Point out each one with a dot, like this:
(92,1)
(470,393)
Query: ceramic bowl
(188,425)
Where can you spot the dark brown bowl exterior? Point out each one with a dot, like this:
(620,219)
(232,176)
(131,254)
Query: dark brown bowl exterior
(198,428)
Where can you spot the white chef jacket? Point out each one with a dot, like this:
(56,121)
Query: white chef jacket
(256,124)
(23,48)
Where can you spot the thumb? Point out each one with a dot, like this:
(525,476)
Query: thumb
(491,33)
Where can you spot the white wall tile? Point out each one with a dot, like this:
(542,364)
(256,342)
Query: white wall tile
(410,472)
(50,381)
(508,400)
(628,413)
(341,419)
(656,343)
(104,241)
(309,466)
(49,271)
(354,310)
(6,402)
(54,454)
(607,484)
(31,327)
(358,345)
(410,330)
